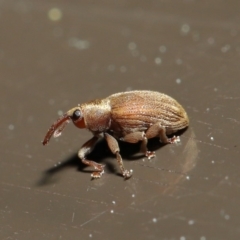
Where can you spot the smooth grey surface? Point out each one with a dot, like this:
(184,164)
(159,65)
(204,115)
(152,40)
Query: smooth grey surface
(187,49)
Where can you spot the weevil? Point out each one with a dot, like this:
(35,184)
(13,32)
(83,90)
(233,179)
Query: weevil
(131,117)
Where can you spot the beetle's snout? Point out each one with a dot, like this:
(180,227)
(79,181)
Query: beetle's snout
(56,128)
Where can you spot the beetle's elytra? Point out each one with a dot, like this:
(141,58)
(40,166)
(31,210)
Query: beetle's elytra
(127,116)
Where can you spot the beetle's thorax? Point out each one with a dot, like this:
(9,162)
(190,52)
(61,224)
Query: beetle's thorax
(97,115)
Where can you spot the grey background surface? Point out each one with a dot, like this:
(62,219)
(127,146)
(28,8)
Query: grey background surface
(56,54)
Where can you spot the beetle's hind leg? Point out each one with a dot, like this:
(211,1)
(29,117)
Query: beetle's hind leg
(113,145)
(157,130)
(136,137)
(86,149)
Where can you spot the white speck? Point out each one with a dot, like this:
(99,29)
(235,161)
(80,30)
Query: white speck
(154,220)
(203,238)
(226,178)
(191,222)
(215,89)
(188,177)
(132,46)
(143,58)
(178,80)
(113,202)
(185,28)
(29,156)
(158,60)
(90,235)
(225,48)
(196,36)
(162,49)
(111,68)
(182,238)
(213,162)
(55,14)
(30,119)
(212,138)
(135,53)
(211,40)
(11,127)
(206,178)
(208,109)
(60,113)
(179,61)
(51,101)
(123,69)
(78,43)
(227,217)
(112,211)
(222,212)
(133,195)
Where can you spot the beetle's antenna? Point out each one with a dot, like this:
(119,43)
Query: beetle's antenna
(56,128)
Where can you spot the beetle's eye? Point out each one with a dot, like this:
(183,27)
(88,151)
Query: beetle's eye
(76,115)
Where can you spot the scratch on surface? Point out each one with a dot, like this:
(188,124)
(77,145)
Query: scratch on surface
(214,145)
(205,123)
(92,219)
(55,193)
(234,120)
(230,98)
(73,215)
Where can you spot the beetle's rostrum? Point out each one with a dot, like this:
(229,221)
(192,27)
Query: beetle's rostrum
(126,116)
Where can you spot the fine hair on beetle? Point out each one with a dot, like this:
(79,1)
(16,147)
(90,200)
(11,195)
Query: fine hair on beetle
(133,116)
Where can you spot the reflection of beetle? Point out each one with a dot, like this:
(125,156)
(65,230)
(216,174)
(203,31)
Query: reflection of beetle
(128,116)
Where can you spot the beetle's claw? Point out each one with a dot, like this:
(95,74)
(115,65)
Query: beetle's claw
(95,175)
(127,174)
(174,139)
(150,154)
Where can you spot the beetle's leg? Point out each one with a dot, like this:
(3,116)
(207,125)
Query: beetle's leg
(156,130)
(86,149)
(136,137)
(113,145)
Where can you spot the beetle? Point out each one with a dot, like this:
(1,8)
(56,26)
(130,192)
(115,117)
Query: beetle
(131,117)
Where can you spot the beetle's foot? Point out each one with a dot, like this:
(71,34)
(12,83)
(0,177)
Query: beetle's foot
(174,139)
(95,175)
(99,172)
(127,174)
(150,154)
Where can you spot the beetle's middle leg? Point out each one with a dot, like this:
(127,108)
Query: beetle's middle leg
(135,137)
(86,149)
(113,145)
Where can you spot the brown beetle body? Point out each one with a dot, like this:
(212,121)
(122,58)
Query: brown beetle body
(128,116)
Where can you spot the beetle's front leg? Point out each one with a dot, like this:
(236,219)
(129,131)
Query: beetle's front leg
(113,145)
(135,137)
(86,149)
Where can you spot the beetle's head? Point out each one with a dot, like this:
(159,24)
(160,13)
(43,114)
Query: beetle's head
(75,114)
